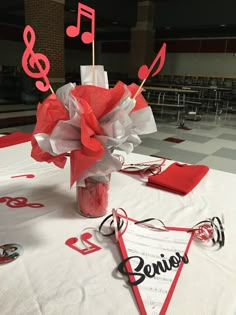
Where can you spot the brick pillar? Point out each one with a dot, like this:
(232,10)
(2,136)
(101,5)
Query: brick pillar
(142,37)
(47,19)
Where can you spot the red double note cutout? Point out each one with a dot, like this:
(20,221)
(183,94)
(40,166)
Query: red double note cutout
(73,31)
(89,246)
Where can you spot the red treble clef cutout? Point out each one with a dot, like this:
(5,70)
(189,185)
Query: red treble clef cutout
(35,65)
(85,239)
(19,202)
(144,71)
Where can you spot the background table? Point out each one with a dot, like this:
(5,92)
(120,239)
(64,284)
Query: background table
(170,98)
(52,279)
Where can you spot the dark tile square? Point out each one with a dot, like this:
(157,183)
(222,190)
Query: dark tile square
(174,140)
(227,136)
(226,153)
(184,128)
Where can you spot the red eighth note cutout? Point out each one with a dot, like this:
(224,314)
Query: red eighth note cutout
(24,175)
(144,71)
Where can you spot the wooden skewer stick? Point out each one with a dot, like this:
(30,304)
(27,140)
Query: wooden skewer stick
(93,61)
(139,89)
(51,89)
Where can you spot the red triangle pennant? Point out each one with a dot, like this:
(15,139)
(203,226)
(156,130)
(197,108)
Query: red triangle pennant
(153,260)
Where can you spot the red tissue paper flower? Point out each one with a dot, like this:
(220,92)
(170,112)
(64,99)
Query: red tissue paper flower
(90,122)
(48,114)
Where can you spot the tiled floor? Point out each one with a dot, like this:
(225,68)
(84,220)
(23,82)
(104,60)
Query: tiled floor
(210,141)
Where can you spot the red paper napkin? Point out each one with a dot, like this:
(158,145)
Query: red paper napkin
(178,178)
(14,138)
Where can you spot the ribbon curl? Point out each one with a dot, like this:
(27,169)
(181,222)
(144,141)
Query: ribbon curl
(210,231)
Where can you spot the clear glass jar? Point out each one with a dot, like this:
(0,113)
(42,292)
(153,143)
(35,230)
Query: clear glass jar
(92,200)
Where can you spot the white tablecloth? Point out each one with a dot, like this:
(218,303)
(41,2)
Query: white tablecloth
(52,279)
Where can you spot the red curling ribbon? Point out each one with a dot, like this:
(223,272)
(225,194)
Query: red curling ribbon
(144,71)
(19,202)
(144,169)
(204,232)
(212,230)
(35,65)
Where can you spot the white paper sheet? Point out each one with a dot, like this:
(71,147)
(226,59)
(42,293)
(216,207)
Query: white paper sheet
(155,246)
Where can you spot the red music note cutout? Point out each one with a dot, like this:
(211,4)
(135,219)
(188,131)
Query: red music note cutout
(85,239)
(35,65)
(24,175)
(73,31)
(19,202)
(144,71)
